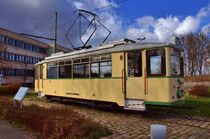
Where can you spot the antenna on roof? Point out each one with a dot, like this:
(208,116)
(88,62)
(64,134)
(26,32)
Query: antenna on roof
(141,39)
(93,20)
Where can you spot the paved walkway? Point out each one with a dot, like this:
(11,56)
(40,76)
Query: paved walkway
(127,125)
(7,131)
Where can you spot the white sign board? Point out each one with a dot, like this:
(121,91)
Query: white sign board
(21,93)
(158,131)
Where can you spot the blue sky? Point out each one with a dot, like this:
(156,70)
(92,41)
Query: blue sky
(161,8)
(133,9)
(157,20)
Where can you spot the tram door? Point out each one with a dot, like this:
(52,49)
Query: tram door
(134,94)
(40,77)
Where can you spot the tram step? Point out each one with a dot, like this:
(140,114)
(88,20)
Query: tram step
(134,104)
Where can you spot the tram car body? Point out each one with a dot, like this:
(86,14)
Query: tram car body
(131,75)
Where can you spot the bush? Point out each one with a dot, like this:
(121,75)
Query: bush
(54,122)
(199,90)
(9,89)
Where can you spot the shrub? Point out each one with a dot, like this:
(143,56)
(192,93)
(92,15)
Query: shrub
(9,89)
(199,90)
(53,122)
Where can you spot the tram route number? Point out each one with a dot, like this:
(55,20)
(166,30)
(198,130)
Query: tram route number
(72,93)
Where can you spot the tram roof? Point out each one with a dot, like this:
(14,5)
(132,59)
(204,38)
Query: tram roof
(106,49)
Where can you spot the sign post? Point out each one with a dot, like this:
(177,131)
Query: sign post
(20,95)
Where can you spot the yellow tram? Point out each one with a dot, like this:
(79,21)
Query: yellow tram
(131,75)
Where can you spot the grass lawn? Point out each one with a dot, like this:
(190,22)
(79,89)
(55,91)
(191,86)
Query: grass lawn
(199,106)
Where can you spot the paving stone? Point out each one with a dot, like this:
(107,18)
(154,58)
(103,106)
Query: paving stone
(128,125)
(7,131)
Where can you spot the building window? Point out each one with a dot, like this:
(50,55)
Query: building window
(2,39)
(134,64)
(20,44)
(156,62)
(52,70)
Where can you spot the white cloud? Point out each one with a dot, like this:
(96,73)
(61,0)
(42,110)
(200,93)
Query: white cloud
(188,25)
(163,29)
(107,17)
(206,29)
(146,21)
(78,5)
(204,12)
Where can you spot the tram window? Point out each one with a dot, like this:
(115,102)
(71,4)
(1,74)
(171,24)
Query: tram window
(105,69)
(76,61)
(51,70)
(78,71)
(61,63)
(106,57)
(95,70)
(95,59)
(85,60)
(41,72)
(65,71)
(87,70)
(68,62)
(176,63)
(134,64)
(156,62)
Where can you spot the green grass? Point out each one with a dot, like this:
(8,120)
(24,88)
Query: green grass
(199,106)
(100,133)
(31,94)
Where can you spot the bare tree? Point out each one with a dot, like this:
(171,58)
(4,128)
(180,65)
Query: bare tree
(196,49)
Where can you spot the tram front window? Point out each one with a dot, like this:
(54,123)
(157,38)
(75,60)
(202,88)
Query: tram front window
(156,62)
(176,63)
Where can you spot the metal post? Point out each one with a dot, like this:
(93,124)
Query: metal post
(56,15)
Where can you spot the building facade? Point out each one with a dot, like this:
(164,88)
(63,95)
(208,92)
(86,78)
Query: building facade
(18,54)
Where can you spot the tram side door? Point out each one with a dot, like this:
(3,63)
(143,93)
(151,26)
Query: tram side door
(134,92)
(40,78)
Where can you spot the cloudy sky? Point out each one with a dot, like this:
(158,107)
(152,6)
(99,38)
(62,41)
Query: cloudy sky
(156,20)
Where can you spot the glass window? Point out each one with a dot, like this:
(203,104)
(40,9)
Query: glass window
(2,56)
(95,59)
(156,62)
(155,65)
(2,40)
(78,71)
(95,70)
(105,69)
(134,64)
(87,70)
(176,63)
(51,70)
(65,71)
